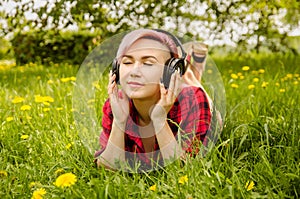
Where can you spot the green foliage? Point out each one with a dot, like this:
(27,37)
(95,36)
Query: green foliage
(53,47)
(5,49)
(259,144)
(266,24)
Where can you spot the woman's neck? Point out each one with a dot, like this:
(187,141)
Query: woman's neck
(143,108)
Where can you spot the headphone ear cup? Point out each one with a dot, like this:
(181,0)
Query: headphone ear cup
(169,69)
(115,70)
(171,66)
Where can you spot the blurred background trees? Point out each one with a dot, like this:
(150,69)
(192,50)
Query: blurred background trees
(41,29)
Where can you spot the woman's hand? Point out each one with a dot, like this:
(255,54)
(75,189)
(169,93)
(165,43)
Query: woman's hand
(118,101)
(167,98)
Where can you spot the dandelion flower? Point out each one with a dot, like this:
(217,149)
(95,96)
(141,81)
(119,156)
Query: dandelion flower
(152,188)
(249,185)
(261,71)
(295,82)
(50,81)
(277,84)
(42,99)
(255,79)
(39,193)
(17,100)
(68,146)
(234,85)
(242,77)
(59,108)
(8,119)
(234,76)
(282,90)
(183,179)
(25,108)
(239,74)
(46,109)
(251,86)
(65,180)
(245,68)
(3,173)
(264,84)
(24,137)
(289,76)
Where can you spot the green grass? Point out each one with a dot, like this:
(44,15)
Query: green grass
(259,143)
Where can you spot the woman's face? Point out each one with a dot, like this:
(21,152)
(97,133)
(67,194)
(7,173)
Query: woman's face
(141,68)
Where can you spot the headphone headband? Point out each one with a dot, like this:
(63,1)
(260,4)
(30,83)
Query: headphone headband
(175,39)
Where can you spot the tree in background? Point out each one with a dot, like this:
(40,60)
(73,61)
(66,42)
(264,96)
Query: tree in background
(246,24)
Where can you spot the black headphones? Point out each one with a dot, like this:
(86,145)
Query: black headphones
(171,64)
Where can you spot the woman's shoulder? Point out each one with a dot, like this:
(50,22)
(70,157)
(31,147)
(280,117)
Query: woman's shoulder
(187,89)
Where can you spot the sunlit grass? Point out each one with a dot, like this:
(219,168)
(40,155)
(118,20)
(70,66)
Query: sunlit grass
(257,155)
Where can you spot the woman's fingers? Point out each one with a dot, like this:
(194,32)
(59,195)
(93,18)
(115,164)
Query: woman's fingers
(175,83)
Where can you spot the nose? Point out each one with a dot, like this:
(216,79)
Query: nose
(136,69)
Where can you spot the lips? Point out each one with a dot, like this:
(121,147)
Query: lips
(135,84)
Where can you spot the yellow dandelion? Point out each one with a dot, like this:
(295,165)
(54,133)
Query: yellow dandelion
(254,72)
(96,85)
(242,77)
(249,185)
(234,76)
(59,108)
(9,119)
(42,99)
(239,74)
(73,78)
(24,137)
(38,77)
(64,79)
(277,84)
(251,86)
(255,79)
(46,109)
(3,173)
(183,179)
(152,188)
(17,100)
(39,193)
(289,76)
(234,85)
(32,184)
(28,117)
(46,103)
(245,68)
(59,171)
(68,146)
(295,82)
(261,71)
(264,84)
(296,75)
(50,81)
(48,99)
(25,108)
(282,90)
(65,180)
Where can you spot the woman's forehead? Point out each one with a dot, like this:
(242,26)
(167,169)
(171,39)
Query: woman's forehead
(148,45)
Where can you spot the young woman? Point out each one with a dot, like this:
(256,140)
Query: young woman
(146,121)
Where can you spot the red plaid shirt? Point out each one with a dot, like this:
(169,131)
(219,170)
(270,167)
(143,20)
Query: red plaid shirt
(191,112)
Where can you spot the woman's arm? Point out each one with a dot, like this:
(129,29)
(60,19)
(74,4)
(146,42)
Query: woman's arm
(114,152)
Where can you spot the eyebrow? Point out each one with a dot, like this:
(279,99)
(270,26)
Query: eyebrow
(144,57)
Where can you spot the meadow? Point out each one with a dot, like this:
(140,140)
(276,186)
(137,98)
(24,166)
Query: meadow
(257,155)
